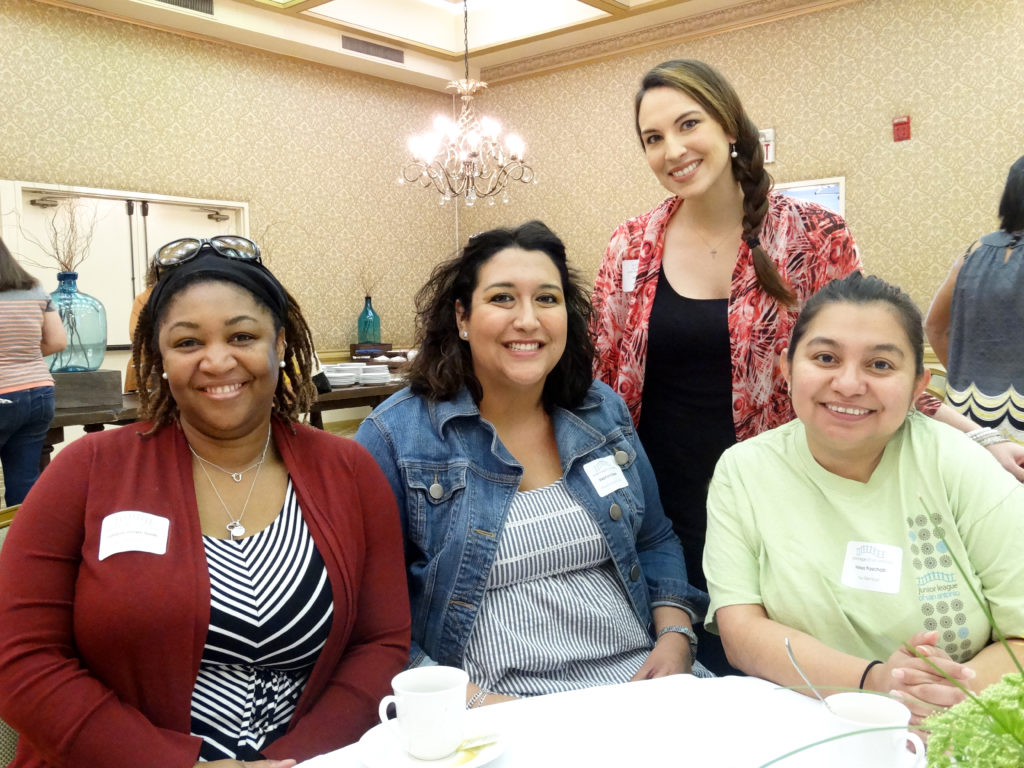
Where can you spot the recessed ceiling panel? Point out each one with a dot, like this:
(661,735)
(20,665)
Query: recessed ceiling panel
(437,24)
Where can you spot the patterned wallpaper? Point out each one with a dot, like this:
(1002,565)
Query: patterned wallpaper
(829,83)
(315,151)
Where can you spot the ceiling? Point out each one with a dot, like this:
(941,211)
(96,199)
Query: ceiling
(420,42)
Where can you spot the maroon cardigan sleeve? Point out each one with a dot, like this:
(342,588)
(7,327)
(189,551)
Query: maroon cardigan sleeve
(352,514)
(66,714)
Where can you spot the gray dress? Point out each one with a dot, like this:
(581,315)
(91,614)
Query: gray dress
(986,344)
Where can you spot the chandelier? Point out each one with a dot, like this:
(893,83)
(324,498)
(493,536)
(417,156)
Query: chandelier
(467,157)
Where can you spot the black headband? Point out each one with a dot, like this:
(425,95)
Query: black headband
(251,275)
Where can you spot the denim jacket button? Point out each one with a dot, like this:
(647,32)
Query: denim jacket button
(436,491)
(621,457)
(634,572)
(615,512)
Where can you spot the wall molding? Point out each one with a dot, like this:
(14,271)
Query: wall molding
(691,28)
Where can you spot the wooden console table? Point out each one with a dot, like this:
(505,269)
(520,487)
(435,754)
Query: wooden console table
(95,418)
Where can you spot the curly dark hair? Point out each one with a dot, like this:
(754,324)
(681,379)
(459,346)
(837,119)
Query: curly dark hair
(292,396)
(444,364)
(706,85)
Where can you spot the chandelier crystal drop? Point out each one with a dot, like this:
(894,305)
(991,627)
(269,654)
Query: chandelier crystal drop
(468,157)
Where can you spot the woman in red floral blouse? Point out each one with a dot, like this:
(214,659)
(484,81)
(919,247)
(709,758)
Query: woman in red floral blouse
(695,299)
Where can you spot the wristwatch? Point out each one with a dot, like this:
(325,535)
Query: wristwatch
(689,633)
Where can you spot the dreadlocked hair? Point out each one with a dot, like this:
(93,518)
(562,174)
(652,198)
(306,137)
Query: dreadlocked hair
(706,85)
(295,390)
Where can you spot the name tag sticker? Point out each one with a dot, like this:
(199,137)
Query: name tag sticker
(133,531)
(629,270)
(605,475)
(874,567)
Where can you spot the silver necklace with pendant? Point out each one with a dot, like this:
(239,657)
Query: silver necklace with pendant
(712,248)
(234,527)
(236,476)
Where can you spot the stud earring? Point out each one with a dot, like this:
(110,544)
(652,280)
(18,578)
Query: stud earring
(164,375)
(732,151)
(465,334)
(280,364)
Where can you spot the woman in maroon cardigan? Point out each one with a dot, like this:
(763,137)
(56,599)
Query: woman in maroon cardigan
(218,583)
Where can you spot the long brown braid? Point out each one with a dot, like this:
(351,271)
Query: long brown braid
(706,85)
(292,397)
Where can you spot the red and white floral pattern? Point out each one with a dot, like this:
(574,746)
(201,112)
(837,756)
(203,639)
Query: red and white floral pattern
(808,244)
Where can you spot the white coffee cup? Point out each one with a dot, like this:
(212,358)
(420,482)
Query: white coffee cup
(855,711)
(430,703)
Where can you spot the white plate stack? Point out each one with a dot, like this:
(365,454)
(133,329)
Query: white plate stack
(374,374)
(341,379)
(343,374)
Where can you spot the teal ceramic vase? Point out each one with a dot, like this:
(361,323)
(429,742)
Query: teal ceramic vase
(368,324)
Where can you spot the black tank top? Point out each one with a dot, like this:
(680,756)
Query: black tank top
(686,413)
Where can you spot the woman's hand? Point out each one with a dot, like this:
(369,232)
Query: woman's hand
(495,698)
(915,682)
(473,699)
(670,656)
(1011,456)
(247,764)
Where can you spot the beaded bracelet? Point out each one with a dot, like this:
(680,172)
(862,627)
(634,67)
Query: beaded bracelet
(477,698)
(986,436)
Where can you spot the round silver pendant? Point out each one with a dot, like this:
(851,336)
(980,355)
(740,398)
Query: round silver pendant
(235,529)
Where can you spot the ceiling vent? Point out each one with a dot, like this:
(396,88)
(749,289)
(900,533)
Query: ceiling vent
(202,6)
(372,49)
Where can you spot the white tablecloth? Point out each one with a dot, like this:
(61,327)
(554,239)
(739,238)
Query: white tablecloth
(727,722)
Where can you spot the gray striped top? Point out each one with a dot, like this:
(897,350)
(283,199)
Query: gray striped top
(554,615)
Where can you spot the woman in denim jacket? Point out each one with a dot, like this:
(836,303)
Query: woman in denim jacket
(537,552)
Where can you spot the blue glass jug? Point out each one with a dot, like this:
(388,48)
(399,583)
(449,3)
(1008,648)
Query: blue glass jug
(85,322)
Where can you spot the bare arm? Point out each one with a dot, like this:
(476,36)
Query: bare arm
(756,644)
(1009,454)
(936,325)
(54,337)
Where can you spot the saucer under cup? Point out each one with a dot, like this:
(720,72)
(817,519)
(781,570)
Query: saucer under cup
(430,704)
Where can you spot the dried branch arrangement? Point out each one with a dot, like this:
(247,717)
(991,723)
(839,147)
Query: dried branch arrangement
(368,280)
(68,236)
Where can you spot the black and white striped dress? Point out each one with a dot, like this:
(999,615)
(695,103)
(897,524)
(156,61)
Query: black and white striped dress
(554,616)
(271,608)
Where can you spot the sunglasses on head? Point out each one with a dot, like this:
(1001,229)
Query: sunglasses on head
(229,246)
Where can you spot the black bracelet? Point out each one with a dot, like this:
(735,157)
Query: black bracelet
(864,677)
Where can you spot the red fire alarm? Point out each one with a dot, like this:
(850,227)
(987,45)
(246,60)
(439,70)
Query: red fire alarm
(901,128)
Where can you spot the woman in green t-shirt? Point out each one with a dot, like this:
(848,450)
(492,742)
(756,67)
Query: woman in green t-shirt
(839,530)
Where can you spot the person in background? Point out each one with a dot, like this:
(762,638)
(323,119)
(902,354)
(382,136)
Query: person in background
(842,530)
(538,556)
(694,300)
(30,328)
(218,583)
(976,320)
(130,383)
